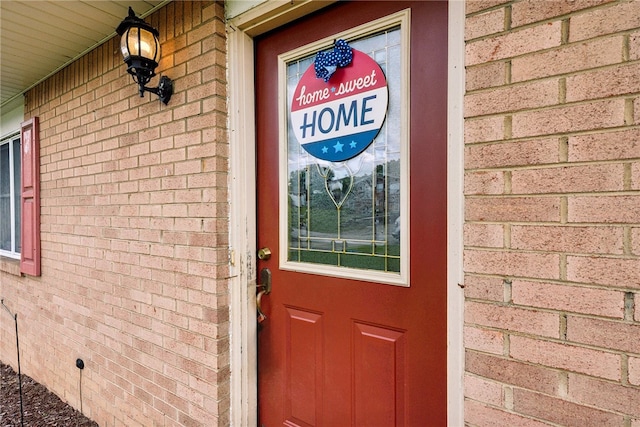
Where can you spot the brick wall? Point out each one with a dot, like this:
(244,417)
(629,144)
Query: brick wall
(552,215)
(134,234)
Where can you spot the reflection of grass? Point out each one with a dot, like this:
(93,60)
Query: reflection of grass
(370,262)
(324,221)
(363,260)
(380,250)
(317,257)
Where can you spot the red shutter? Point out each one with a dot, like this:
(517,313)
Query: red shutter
(30,193)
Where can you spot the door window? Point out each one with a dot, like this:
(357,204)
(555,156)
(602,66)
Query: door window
(350,218)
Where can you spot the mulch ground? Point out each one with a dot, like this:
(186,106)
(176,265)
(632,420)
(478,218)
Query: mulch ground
(40,406)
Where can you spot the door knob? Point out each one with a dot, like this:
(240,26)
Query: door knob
(264,254)
(265,286)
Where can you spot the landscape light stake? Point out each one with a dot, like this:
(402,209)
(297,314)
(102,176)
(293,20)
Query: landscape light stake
(15,319)
(80,365)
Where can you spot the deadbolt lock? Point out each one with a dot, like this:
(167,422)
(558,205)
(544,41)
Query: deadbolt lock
(264,254)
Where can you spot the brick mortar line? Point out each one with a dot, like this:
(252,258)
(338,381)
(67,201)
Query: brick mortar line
(543,166)
(626,97)
(586,193)
(594,131)
(558,18)
(534,308)
(556,77)
(554,224)
(560,341)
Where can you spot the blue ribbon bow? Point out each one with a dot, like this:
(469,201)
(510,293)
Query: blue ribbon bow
(327,63)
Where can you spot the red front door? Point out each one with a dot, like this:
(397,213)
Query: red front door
(355,330)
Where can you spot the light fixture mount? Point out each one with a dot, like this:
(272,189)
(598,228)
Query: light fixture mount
(140,50)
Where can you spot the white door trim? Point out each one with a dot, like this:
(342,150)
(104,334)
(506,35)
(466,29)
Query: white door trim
(455,214)
(242,191)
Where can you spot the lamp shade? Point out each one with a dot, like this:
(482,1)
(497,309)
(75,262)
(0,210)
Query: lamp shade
(139,47)
(139,42)
(140,50)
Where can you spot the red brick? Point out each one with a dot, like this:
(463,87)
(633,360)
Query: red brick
(604,209)
(513,209)
(568,179)
(518,264)
(616,272)
(484,24)
(160,118)
(204,121)
(512,98)
(175,127)
(479,415)
(634,370)
(612,19)
(503,154)
(529,11)
(484,182)
(565,298)
(201,32)
(635,243)
(634,46)
(486,235)
(572,118)
(513,44)
(607,395)
(563,356)
(486,288)
(605,240)
(187,110)
(189,52)
(486,75)
(188,168)
(484,129)
(567,59)
(605,146)
(200,92)
(485,340)
(561,411)
(602,333)
(612,81)
(512,319)
(482,390)
(473,6)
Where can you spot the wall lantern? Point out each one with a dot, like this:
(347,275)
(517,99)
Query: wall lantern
(141,52)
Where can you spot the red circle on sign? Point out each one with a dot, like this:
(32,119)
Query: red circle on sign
(339,119)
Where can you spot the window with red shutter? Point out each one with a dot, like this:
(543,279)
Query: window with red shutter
(30,198)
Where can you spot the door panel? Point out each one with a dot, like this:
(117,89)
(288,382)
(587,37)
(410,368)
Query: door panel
(340,351)
(379,375)
(304,363)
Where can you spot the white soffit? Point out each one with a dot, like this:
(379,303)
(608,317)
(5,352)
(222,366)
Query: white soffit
(38,38)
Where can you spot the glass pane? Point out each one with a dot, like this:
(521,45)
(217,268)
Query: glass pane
(347,213)
(5,199)
(16,191)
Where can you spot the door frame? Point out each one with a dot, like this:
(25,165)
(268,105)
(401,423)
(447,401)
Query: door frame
(242,191)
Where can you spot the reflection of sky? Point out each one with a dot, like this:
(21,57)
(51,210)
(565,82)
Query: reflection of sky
(386,146)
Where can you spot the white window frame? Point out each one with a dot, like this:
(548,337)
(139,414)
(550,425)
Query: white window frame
(14,221)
